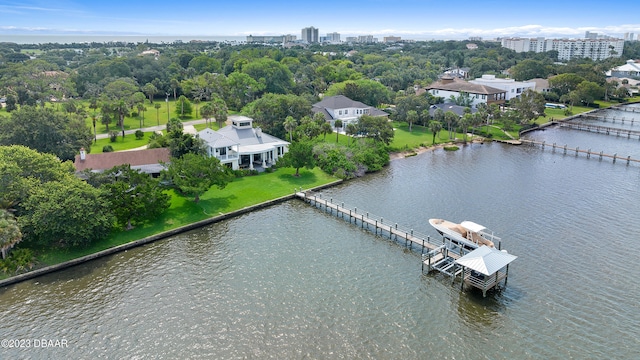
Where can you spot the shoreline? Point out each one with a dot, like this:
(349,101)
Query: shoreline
(423,149)
(150,239)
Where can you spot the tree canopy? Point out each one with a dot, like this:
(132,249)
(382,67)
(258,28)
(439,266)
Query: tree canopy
(47,131)
(193,174)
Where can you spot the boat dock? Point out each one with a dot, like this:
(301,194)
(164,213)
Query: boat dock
(436,254)
(613,119)
(564,150)
(600,129)
(626,108)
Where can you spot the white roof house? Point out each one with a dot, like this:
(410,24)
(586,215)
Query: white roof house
(631,69)
(240,145)
(448,86)
(512,87)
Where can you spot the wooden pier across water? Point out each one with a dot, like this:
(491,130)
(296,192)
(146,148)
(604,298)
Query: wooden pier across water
(371,222)
(564,150)
(613,119)
(436,255)
(627,108)
(599,129)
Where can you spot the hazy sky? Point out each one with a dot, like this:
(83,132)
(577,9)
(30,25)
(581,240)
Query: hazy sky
(421,19)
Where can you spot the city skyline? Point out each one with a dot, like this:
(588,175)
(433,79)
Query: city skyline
(409,19)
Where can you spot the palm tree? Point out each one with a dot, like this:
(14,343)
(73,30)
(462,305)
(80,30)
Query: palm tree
(10,233)
(150,90)
(337,124)
(465,121)
(175,84)
(450,118)
(412,116)
(94,117)
(290,124)
(141,108)
(326,128)
(207,111)
(157,106)
(121,108)
(435,127)
(220,111)
(351,130)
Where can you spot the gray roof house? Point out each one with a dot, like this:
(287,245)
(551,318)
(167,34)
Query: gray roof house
(240,145)
(345,109)
(457,109)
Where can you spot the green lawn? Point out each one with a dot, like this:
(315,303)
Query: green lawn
(240,193)
(126,143)
(152,117)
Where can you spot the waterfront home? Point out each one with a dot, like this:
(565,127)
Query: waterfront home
(345,109)
(513,88)
(631,69)
(240,145)
(448,87)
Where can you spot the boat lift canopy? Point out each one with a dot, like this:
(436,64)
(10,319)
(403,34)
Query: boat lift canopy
(486,260)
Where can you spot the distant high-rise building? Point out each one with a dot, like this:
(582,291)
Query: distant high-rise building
(333,37)
(590,35)
(270,39)
(628,36)
(391,39)
(595,49)
(367,39)
(310,35)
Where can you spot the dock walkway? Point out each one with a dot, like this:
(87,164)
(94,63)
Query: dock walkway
(599,129)
(436,255)
(628,160)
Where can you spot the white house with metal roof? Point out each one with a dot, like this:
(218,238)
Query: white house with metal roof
(512,88)
(240,145)
(447,87)
(631,70)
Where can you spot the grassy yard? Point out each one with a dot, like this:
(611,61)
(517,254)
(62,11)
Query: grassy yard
(152,117)
(403,139)
(240,193)
(127,143)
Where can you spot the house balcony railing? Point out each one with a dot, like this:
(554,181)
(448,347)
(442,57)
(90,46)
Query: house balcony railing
(228,156)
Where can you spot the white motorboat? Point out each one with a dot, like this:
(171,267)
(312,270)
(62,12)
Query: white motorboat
(467,234)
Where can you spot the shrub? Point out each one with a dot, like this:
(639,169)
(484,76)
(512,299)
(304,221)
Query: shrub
(19,260)
(113,136)
(107,148)
(139,134)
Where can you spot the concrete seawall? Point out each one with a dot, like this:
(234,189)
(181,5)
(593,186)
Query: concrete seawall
(130,245)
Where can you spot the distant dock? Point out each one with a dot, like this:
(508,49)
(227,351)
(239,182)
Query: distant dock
(563,149)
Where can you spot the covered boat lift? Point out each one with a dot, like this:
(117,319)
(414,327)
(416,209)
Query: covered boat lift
(484,268)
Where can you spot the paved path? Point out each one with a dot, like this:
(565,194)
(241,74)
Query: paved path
(160,127)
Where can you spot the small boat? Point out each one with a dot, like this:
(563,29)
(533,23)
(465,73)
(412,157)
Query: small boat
(466,234)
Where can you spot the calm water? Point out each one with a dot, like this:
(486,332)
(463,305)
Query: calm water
(292,282)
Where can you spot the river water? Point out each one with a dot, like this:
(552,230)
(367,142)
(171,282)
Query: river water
(293,282)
